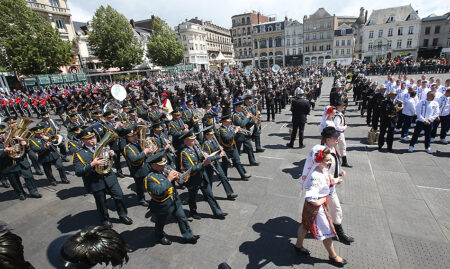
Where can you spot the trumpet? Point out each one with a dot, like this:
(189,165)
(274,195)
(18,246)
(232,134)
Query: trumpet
(181,177)
(244,131)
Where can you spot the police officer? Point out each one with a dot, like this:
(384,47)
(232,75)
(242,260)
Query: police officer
(192,158)
(98,185)
(300,110)
(48,155)
(139,168)
(226,136)
(165,200)
(210,145)
(242,119)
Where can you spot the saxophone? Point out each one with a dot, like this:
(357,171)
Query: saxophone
(102,152)
(21,131)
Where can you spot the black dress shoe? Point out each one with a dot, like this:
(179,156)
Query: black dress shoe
(39,173)
(36,195)
(220,216)
(22,197)
(107,224)
(232,196)
(165,241)
(289,145)
(302,251)
(66,181)
(119,174)
(143,203)
(126,220)
(53,183)
(192,240)
(302,146)
(6,185)
(336,263)
(254,164)
(260,150)
(195,215)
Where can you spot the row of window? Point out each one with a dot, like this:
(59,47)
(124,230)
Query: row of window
(437,29)
(242,31)
(321,36)
(435,42)
(316,60)
(321,47)
(217,38)
(262,28)
(294,41)
(264,43)
(342,43)
(196,46)
(391,30)
(294,51)
(220,46)
(193,37)
(343,52)
(241,21)
(388,45)
(318,26)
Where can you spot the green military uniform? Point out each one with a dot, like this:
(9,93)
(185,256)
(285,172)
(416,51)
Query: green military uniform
(13,168)
(139,168)
(98,184)
(226,137)
(256,132)
(210,146)
(191,158)
(50,127)
(48,157)
(165,201)
(239,119)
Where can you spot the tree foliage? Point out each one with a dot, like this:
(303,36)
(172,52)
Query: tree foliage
(28,43)
(164,49)
(113,41)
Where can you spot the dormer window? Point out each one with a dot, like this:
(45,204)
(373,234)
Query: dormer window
(411,17)
(371,22)
(390,19)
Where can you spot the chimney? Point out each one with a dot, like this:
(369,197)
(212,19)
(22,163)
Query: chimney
(285,18)
(361,12)
(132,24)
(365,17)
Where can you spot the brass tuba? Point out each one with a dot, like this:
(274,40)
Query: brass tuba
(145,142)
(21,131)
(102,151)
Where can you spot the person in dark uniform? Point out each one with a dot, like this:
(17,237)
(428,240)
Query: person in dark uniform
(388,119)
(12,169)
(226,137)
(210,145)
(53,128)
(253,109)
(242,120)
(377,100)
(163,142)
(142,109)
(48,155)
(188,113)
(270,103)
(115,126)
(337,95)
(176,129)
(139,168)
(300,109)
(165,200)
(98,184)
(192,158)
(74,144)
(370,103)
(12,122)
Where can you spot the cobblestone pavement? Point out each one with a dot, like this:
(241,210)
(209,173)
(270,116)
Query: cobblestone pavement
(396,205)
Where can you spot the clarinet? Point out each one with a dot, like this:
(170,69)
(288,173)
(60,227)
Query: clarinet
(200,152)
(221,149)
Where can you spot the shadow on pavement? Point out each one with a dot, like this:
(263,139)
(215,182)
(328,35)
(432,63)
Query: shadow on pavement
(54,250)
(71,193)
(274,246)
(78,221)
(295,171)
(8,196)
(138,238)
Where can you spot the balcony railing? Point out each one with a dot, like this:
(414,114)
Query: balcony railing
(47,8)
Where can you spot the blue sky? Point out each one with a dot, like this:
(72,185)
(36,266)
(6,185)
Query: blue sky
(220,12)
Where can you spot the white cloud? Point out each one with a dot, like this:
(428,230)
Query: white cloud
(220,12)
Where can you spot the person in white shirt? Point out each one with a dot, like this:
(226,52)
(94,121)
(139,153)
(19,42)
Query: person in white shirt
(340,125)
(422,90)
(427,111)
(408,112)
(444,117)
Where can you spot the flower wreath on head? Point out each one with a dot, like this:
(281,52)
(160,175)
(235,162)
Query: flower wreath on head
(319,156)
(329,110)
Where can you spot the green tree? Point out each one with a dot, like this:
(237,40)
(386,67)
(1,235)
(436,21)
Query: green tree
(164,49)
(112,40)
(28,43)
